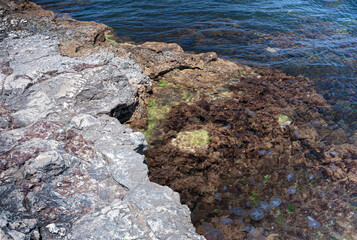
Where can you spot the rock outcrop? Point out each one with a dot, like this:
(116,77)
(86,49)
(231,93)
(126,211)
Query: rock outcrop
(68,168)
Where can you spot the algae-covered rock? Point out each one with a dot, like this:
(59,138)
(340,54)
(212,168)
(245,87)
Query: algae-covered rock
(192,139)
(284,120)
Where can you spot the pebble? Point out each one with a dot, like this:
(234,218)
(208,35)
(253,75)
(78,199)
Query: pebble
(217,196)
(262,152)
(256,214)
(226,221)
(239,211)
(264,206)
(334,153)
(290,176)
(250,112)
(238,220)
(275,202)
(272,50)
(256,237)
(315,123)
(206,227)
(291,190)
(230,209)
(322,194)
(214,234)
(249,229)
(313,223)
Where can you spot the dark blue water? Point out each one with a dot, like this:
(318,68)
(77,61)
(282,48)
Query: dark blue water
(314,38)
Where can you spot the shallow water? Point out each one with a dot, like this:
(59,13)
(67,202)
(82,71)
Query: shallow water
(315,38)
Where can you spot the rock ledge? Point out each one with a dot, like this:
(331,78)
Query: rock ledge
(68,169)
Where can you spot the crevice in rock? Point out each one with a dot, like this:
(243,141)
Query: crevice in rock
(180,68)
(123,112)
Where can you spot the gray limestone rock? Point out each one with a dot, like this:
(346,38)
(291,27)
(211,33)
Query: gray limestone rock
(68,168)
(159,217)
(3,235)
(46,164)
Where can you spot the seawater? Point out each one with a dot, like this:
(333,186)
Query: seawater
(313,38)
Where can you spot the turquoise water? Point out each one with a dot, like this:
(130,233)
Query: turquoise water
(315,38)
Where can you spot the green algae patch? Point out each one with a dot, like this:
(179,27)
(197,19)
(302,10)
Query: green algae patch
(156,113)
(192,139)
(284,120)
(112,42)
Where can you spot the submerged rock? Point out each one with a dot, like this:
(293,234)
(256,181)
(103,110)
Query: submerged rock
(272,50)
(284,120)
(226,221)
(218,196)
(262,152)
(290,176)
(264,206)
(275,202)
(291,190)
(334,153)
(214,234)
(313,223)
(240,211)
(256,214)
(204,228)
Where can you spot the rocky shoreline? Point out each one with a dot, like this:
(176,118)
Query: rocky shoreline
(222,135)
(68,168)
